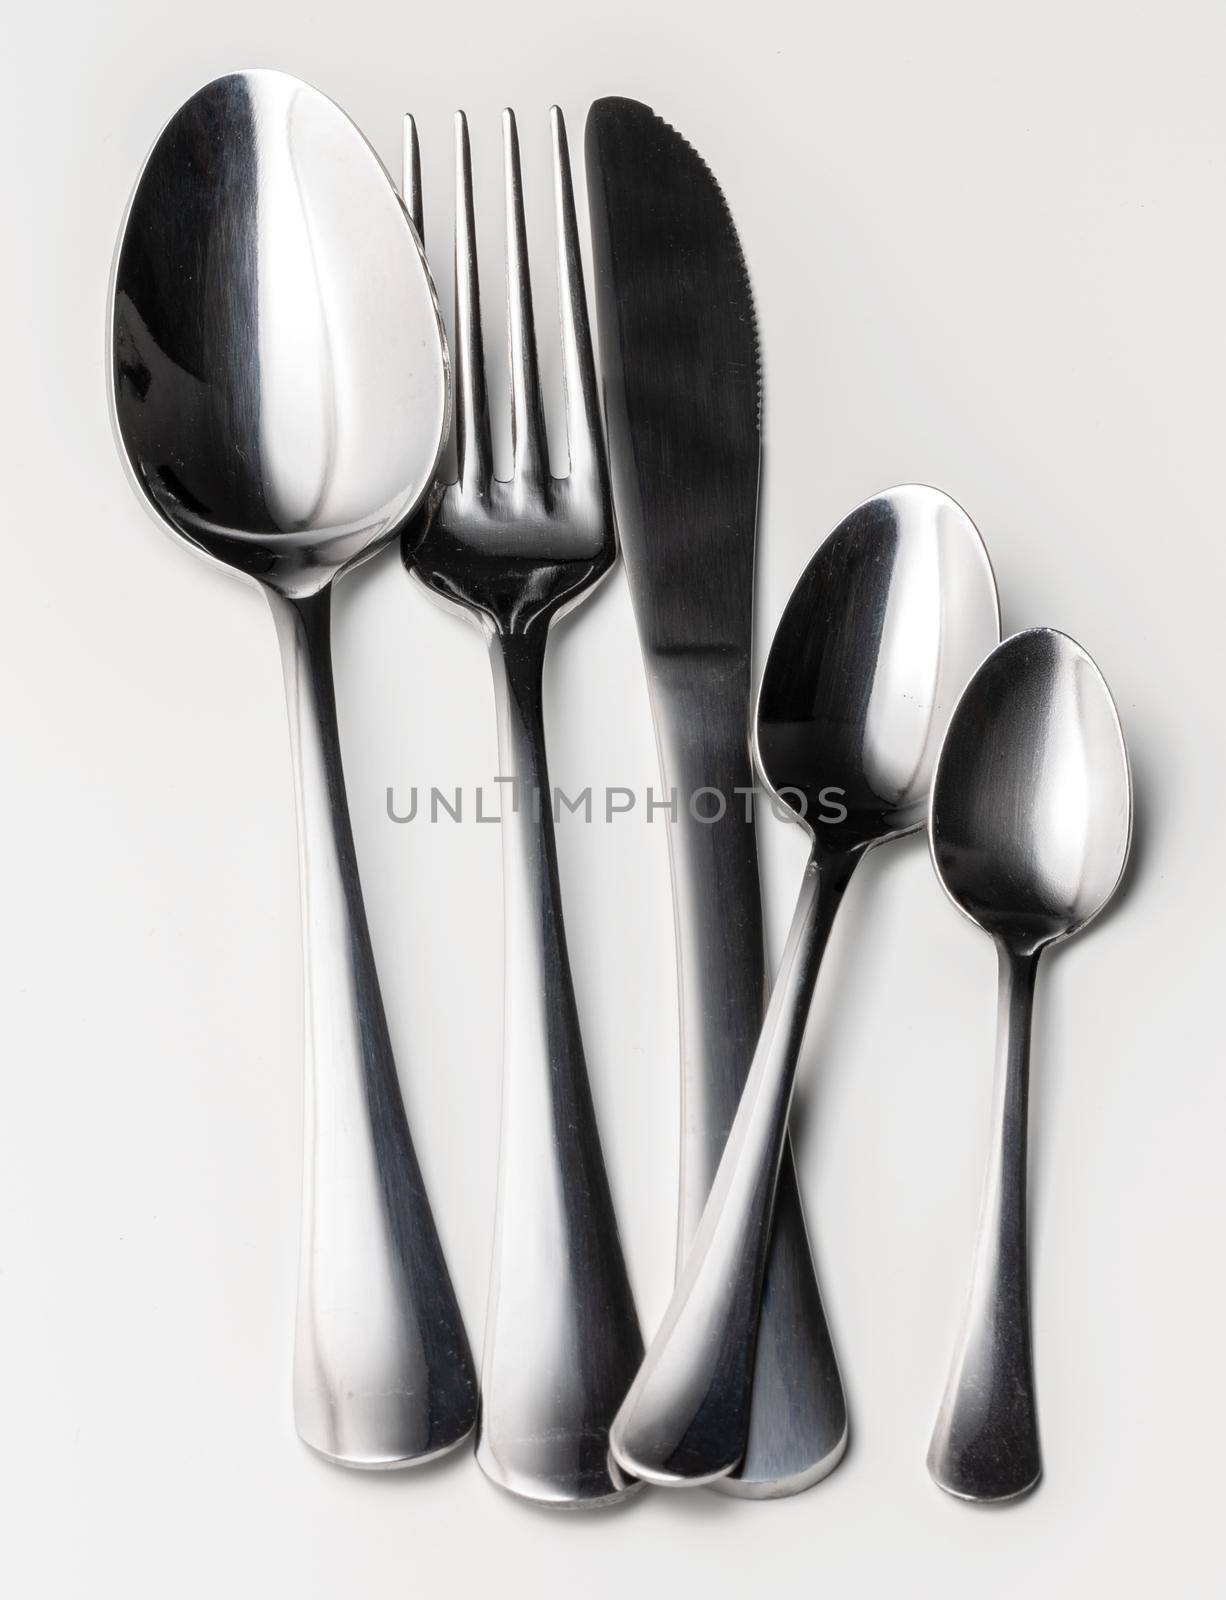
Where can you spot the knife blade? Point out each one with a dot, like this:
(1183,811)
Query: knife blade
(678,343)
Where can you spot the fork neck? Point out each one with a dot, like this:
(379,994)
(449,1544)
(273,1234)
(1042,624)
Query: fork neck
(517,660)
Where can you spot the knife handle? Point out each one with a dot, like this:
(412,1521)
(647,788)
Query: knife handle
(798,1418)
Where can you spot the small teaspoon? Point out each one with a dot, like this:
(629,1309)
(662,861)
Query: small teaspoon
(1029,830)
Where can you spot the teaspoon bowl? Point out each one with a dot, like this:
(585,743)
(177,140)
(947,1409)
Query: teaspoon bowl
(1032,801)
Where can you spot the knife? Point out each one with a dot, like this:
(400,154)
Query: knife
(679,357)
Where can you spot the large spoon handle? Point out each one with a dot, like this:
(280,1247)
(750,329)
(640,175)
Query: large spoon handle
(986,1442)
(383,1376)
(686,1419)
(562,1341)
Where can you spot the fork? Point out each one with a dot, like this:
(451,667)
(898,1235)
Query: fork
(562,1341)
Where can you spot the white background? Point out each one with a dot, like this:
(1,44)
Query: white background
(987,247)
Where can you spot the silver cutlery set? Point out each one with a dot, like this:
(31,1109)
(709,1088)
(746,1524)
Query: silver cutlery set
(283,396)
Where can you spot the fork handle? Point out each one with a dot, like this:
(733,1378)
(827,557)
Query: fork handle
(383,1376)
(562,1341)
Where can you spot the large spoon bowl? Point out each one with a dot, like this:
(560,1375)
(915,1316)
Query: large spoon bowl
(891,616)
(280,393)
(278,376)
(1029,831)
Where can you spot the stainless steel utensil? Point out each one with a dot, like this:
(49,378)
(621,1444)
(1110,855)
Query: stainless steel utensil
(280,391)
(1029,829)
(679,357)
(562,1340)
(888,621)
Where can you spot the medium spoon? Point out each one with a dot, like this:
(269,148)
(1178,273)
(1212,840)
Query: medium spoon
(888,621)
(280,391)
(1029,830)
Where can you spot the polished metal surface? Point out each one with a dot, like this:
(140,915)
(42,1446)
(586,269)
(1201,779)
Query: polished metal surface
(679,359)
(1029,830)
(280,393)
(562,1341)
(886,624)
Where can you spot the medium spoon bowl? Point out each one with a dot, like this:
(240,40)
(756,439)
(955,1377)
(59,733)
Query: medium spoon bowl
(889,619)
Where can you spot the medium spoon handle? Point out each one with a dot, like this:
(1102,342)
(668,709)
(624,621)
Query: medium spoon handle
(383,1376)
(798,1414)
(985,1445)
(686,1418)
(562,1340)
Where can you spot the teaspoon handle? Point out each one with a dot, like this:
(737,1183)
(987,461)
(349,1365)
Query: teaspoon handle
(686,1418)
(562,1340)
(986,1442)
(383,1375)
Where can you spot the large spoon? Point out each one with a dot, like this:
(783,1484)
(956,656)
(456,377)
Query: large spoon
(888,621)
(280,390)
(1030,825)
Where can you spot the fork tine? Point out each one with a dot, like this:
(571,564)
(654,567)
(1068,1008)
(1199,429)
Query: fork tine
(584,438)
(472,421)
(527,417)
(410,182)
